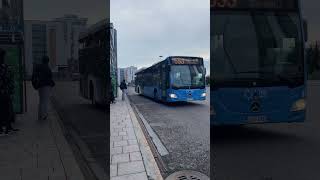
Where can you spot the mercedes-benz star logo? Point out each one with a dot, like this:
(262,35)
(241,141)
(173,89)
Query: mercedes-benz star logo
(255,107)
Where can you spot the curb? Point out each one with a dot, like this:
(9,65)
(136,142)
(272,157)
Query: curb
(89,167)
(154,165)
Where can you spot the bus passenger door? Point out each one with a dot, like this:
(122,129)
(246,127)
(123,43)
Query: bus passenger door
(163,82)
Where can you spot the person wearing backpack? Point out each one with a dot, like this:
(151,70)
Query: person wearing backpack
(123,87)
(43,82)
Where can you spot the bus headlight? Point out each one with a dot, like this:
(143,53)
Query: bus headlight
(173,96)
(299,105)
(203,95)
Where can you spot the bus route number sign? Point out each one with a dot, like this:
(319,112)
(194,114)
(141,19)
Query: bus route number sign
(253,4)
(224,3)
(182,61)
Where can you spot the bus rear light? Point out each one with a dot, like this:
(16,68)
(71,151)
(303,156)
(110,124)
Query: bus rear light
(173,96)
(299,105)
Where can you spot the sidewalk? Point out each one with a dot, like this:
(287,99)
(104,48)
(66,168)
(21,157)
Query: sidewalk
(39,151)
(130,155)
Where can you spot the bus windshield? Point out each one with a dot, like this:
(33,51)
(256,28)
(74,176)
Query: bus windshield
(187,76)
(257,45)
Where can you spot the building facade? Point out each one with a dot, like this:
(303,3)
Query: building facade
(120,75)
(113,59)
(130,74)
(57,39)
(127,74)
(11,41)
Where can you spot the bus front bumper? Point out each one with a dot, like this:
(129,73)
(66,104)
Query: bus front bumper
(185,99)
(186,95)
(237,119)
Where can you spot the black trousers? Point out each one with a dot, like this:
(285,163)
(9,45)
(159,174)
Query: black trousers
(5,112)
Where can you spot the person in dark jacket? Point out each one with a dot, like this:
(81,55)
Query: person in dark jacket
(43,82)
(6,92)
(123,87)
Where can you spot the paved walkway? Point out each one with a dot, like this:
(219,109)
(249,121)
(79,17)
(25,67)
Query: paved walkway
(39,151)
(129,158)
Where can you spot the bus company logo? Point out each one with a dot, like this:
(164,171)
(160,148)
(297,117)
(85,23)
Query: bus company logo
(255,107)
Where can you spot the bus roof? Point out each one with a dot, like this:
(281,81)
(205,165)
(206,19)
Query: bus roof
(101,25)
(169,57)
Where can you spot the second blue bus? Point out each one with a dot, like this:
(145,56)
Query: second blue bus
(258,62)
(177,78)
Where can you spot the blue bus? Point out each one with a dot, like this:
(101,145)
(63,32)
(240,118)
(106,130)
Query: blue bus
(174,79)
(258,62)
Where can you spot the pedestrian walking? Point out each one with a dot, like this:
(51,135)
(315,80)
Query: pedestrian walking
(123,87)
(43,82)
(6,92)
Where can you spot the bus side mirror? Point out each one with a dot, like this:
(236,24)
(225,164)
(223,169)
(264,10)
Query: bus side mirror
(305,30)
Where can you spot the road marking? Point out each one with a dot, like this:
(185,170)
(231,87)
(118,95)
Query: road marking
(156,140)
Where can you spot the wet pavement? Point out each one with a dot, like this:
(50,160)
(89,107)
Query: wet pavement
(270,151)
(184,130)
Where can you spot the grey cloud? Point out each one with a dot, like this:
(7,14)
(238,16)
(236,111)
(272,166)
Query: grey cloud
(149,28)
(310,11)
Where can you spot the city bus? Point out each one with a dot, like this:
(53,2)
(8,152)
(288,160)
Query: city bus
(97,49)
(258,62)
(177,78)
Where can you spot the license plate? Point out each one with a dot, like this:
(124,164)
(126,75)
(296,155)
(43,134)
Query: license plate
(257,119)
(189,99)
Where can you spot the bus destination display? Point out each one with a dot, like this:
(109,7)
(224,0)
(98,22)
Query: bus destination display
(182,61)
(254,4)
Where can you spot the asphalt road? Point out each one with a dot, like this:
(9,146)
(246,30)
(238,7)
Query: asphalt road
(184,130)
(88,121)
(270,151)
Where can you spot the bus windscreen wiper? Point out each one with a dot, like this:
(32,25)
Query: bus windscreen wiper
(254,72)
(290,80)
(250,72)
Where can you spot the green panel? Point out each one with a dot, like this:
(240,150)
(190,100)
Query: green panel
(13,59)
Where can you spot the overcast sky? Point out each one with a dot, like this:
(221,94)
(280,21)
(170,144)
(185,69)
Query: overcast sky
(94,10)
(311,12)
(148,29)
